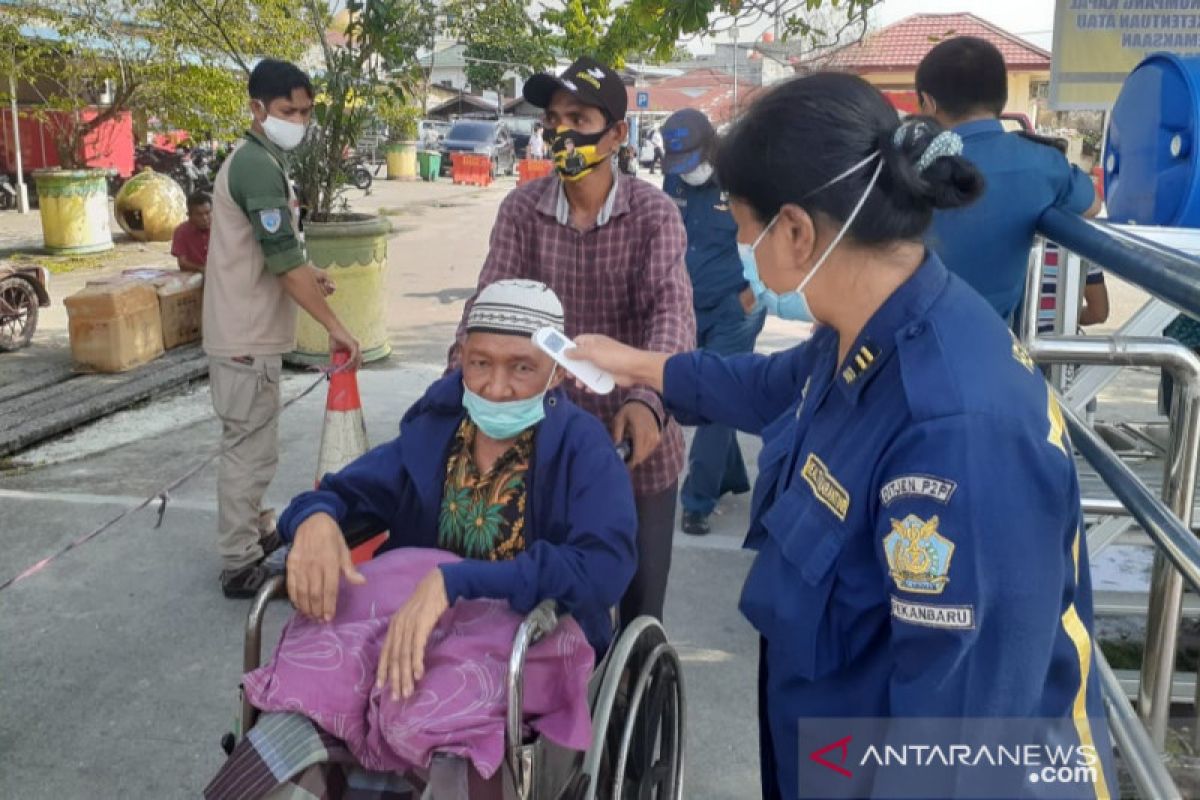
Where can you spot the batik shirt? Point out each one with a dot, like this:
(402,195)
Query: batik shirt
(483,516)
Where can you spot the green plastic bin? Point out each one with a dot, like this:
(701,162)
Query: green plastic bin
(429,164)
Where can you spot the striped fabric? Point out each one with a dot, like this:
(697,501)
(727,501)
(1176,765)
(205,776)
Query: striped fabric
(287,757)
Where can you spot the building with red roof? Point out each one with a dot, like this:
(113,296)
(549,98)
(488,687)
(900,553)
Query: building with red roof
(711,91)
(889,57)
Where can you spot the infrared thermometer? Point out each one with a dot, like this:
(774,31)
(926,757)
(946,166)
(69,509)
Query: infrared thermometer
(556,344)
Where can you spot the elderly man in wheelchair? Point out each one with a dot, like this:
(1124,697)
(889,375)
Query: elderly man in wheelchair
(414,675)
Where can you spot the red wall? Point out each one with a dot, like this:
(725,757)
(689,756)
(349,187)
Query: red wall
(108,147)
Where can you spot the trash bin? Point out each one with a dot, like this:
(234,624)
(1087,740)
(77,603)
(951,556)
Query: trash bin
(429,164)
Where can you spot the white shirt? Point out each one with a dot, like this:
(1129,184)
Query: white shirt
(537,146)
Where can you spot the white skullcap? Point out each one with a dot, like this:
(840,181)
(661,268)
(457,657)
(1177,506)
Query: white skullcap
(517,307)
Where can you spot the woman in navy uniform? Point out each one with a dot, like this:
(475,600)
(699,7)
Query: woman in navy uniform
(916,514)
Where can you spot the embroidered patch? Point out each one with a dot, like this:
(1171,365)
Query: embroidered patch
(918,556)
(955,618)
(1058,428)
(271,219)
(570,85)
(825,487)
(938,489)
(1021,355)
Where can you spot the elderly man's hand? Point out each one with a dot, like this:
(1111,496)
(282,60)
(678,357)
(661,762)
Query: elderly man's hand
(318,559)
(402,660)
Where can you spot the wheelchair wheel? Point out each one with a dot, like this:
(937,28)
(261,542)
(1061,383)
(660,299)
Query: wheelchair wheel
(638,721)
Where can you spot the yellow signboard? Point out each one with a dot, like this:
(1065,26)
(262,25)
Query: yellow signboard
(1098,42)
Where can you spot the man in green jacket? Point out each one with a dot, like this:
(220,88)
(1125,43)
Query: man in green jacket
(258,272)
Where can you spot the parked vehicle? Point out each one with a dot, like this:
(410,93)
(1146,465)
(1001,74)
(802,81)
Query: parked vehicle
(358,174)
(484,137)
(23,290)
(521,129)
(8,193)
(431,132)
(179,165)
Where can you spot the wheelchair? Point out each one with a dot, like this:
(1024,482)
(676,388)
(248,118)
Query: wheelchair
(637,707)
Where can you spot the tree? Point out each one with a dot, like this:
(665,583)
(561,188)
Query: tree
(238,31)
(500,37)
(87,62)
(376,53)
(613,30)
(219,40)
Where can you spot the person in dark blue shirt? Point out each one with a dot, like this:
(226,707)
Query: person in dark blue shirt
(963,84)
(727,319)
(916,514)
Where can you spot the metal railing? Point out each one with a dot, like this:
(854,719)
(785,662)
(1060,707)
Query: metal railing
(1173,277)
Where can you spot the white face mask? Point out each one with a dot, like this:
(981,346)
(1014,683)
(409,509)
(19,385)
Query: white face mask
(286,135)
(698,176)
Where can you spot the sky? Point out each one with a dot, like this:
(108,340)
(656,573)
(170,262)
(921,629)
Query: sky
(1031,19)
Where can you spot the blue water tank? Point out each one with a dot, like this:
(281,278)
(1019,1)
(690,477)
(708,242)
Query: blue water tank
(1151,175)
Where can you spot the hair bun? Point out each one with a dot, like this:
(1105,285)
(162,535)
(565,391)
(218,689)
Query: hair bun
(927,164)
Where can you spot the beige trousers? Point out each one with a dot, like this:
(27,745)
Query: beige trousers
(245,395)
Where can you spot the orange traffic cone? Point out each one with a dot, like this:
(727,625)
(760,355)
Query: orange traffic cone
(344,436)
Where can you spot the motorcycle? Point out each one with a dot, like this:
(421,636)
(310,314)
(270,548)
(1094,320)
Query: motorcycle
(23,290)
(357,173)
(8,193)
(179,166)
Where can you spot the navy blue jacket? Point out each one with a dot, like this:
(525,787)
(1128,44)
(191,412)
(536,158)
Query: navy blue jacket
(713,263)
(917,523)
(580,519)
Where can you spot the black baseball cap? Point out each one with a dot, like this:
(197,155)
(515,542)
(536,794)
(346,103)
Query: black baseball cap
(687,135)
(591,82)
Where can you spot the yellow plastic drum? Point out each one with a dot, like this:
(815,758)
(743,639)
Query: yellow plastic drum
(402,161)
(150,206)
(74,210)
(354,254)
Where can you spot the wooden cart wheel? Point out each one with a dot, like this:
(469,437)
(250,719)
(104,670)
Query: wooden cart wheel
(16,329)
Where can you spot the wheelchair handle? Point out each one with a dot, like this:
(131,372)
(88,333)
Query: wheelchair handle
(537,624)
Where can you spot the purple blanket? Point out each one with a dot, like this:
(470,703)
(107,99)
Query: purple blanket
(327,673)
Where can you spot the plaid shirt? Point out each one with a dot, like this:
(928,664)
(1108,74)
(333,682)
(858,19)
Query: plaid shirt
(625,278)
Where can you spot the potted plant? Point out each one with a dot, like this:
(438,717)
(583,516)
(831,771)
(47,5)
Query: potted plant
(402,119)
(372,50)
(85,63)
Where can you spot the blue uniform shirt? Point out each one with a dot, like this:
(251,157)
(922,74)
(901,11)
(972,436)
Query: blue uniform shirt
(712,257)
(917,520)
(987,243)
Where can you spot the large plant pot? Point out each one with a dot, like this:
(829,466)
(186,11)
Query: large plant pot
(401,161)
(150,206)
(74,210)
(354,254)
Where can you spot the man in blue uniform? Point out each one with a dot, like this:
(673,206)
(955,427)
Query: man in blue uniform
(727,321)
(963,83)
